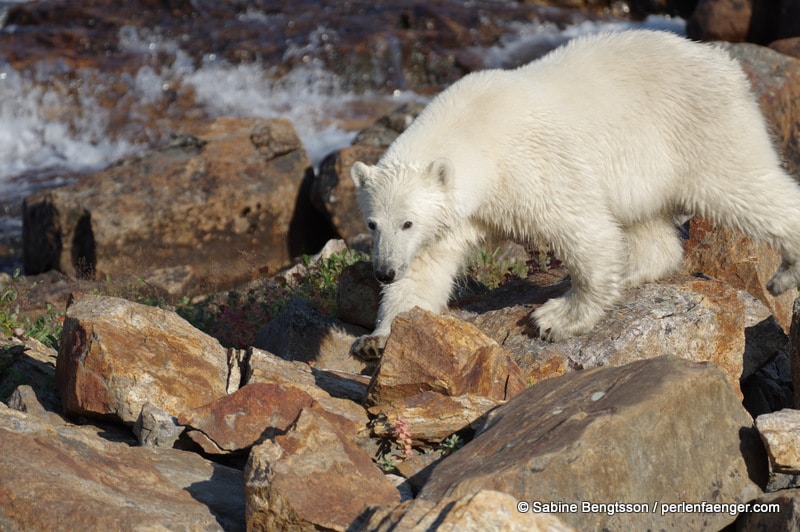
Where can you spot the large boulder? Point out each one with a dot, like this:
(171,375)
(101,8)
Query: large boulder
(656,431)
(114,356)
(224,198)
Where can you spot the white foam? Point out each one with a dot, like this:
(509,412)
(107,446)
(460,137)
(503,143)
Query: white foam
(38,137)
(528,40)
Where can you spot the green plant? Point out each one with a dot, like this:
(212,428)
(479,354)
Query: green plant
(495,268)
(318,283)
(492,269)
(45,328)
(450,445)
(235,317)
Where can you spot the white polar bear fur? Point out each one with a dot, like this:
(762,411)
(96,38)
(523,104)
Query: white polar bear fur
(596,149)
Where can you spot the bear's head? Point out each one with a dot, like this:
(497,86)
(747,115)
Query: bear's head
(406,208)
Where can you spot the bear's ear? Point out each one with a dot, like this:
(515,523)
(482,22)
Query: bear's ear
(360,173)
(441,171)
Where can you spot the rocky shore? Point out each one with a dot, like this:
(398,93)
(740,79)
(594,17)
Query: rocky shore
(194,372)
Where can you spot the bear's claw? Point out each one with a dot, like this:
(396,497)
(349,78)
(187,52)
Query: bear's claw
(368,348)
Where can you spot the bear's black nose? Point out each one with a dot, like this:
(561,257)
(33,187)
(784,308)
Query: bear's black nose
(384,277)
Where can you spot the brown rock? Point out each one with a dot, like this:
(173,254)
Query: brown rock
(336,393)
(780,432)
(313,477)
(776,81)
(785,515)
(104,483)
(720,20)
(333,191)
(486,510)
(790,46)
(627,434)
(745,264)
(431,417)
(439,353)
(115,355)
(221,199)
(238,421)
(386,130)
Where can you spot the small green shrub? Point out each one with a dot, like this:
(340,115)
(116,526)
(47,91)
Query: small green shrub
(45,328)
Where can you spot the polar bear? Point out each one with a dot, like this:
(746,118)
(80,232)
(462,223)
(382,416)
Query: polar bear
(596,149)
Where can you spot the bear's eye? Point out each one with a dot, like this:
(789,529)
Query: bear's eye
(372,226)
(407,225)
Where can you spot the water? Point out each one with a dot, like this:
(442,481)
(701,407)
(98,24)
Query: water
(57,121)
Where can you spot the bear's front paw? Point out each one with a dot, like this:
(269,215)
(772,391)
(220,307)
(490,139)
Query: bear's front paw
(560,318)
(369,348)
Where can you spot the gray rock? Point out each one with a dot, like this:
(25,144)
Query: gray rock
(663,430)
(156,427)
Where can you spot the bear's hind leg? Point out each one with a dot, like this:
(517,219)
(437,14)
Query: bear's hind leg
(654,251)
(594,253)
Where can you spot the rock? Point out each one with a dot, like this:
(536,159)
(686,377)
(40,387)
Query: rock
(333,192)
(156,427)
(312,477)
(770,388)
(439,353)
(431,417)
(238,421)
(776,82)
(780,432)
(694,319)
(25,399)
(387,128)
(720,20)
(731,256)
(32,363)
(301,332)
(115,356)
(358,295)
(626,434)
(439,375)
(790,46)
(775,511)
(327,387)
(227,189)
(485,510)
(335,393)
(104,484)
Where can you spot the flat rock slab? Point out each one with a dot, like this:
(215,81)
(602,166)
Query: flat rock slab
(64,477)
(662,430)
